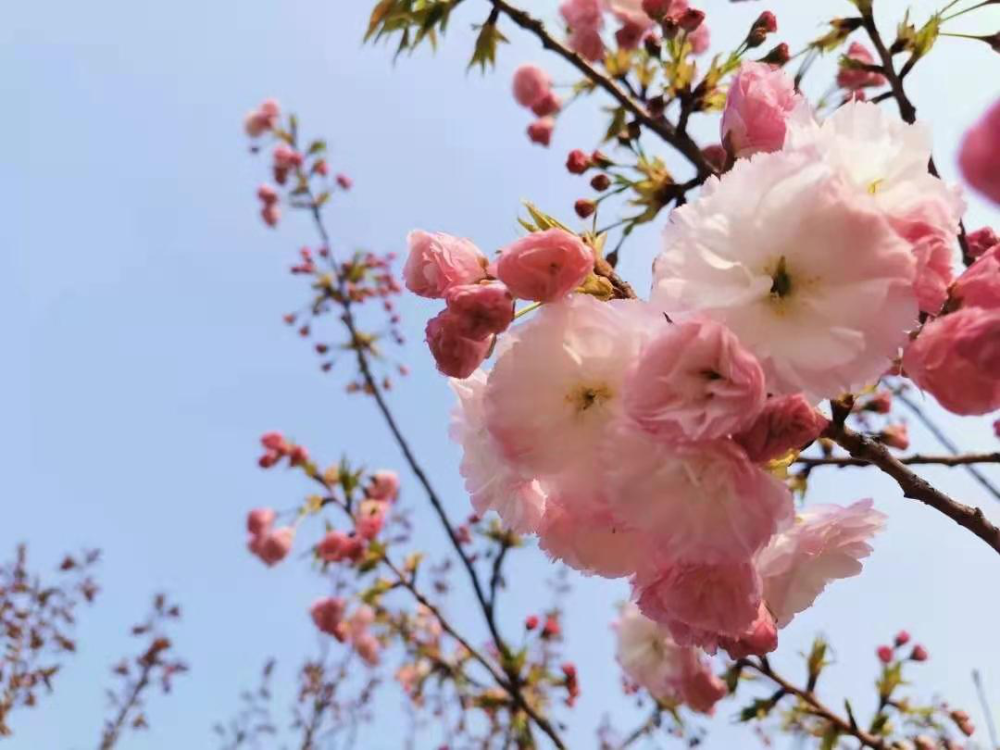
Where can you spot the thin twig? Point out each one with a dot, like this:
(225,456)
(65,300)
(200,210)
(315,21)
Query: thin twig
(914,460)
(845,726)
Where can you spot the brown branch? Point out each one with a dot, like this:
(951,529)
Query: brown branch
(512,683)
(872,452)
(914,460)
(845,726)
(659,125)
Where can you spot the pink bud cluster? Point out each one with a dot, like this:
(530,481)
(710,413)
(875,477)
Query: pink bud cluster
(263,119)
(328,614)
(533,90)
(544,266)
(271,545)
(891,654)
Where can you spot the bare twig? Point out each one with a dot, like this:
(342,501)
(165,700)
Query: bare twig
(915,460)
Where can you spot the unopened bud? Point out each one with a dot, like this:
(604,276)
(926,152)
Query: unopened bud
(600,182)
(585,208)
(578,162)
(691,19)
(778,55)
(765,24)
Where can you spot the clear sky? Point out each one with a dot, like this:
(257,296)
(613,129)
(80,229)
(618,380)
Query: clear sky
(141,301)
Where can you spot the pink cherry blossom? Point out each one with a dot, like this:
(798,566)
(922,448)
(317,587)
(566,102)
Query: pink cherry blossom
(368,648)
(262,119)
(784,424)
(979,286)
(437,262)
(369,519)
(454,354)
(826,543)
(981,240)
(585,20)
(929,229)
(492,483)
(630,12)
(552,391)
(273,545)
(761,99)
(895,436)
(271,214)
(700,39)
(701,603)
(545,266)
(327,614)
(383,485)
(980,154)
(701,503)
(956,358)
(531,85)
(694,382)
(772,270)
(671,673)
(481,310)
(854,78)
(540,131)
(549,104)
(260,520)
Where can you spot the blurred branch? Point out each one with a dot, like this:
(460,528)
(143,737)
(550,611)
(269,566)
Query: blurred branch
(915,460)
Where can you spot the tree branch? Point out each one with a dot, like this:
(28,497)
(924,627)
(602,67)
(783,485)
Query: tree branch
(872,452)
(659,125)
(914,460)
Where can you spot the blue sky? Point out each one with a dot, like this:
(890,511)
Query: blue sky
(142,302)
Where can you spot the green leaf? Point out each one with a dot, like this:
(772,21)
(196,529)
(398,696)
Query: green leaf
(316,147)
(485,54)
(830,737)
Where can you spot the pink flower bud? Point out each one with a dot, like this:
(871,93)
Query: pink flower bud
(531,85)
(267,194)
(761,99)
(982,240)
(919,653)
(691,19)
(259,520)
(275,441)
(368,648)
(885,654)
(786,423)
(345,182)
(584,208)
(383,485)
(656,9)
(271,214)
(980,154)
(269,459)
(979,285)
(337,546)
(578,161)
(545,266)
(778,56)
(540,131)
(896,436)
(369,519)
(437,262)
(551,628)
(851,77)
(549,104)
(760,639)
(298,456)
(585,19)
(716,155)
(600,182)
(273,545)
(481,310)
(531,622)
(286,158)
(327,614)
(454,354)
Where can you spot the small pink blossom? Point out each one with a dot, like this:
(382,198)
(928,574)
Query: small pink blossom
(540,131)
(700,39)
(979,157)
(455,355)
(701,603)
(370,518)
(981,240)
(337,546)
(271,214)
(273,545)
(919,653)
(262,119)
(345,182)
(437,262)
(383,485)
(784,424)
(826,543)
(956,358)
(929,228)
(585,19)
(979,285)
(481,310)
(885,654)
(854,78)
(694,382)
(545,266)
(327,614)
(267,194)
(548,105)
(285,157)
(260,520)
(761,100)
(531,85)
(368,648)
